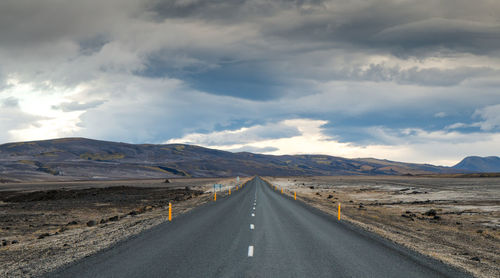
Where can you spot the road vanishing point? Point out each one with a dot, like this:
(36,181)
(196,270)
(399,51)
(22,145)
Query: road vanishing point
(257,232)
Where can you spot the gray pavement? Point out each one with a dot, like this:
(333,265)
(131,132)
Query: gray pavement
(279,238)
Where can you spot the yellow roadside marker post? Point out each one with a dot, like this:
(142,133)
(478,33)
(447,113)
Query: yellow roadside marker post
(295,195)
(169,211)
(282,190)
(215,196)
(229,191)
(338,214)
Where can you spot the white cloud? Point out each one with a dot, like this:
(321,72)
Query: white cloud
(491,116)
(29,115)
(11,119)
(461,125)
(241,136)
(440,114)
(409,145)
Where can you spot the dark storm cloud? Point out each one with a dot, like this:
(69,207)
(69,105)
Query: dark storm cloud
(268,63)
(251,80)
(425,77)
(431,34)
(226,10)
(242,79)
(209,8)
(173,68)
(24,22)
(93,44)
(288,31)
(404,28)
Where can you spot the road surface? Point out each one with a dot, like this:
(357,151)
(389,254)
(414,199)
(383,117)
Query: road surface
(256,232)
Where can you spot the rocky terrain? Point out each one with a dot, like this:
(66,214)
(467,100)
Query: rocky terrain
(70,159)
(456,220)
(44,226)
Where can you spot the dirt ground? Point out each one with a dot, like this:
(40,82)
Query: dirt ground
(456,220)
(46,225)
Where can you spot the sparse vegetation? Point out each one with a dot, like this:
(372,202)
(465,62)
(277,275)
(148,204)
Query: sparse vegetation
(13,145)
(27,162)
(52,153)
(102,156)
(180,147)
(162,161)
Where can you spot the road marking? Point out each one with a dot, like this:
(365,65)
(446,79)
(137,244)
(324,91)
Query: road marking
(252,227)
(250,251)
(253,208)
(253,214)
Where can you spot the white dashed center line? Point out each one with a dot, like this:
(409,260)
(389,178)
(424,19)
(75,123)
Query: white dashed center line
(253,214)
(252,227)
(250,251)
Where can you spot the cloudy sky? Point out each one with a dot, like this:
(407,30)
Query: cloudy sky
(407,80)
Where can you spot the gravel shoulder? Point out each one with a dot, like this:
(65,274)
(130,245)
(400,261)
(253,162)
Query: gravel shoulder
(41,230)
(455,220)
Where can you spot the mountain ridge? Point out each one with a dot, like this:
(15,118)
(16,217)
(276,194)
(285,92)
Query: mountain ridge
(87,159)
(486,164)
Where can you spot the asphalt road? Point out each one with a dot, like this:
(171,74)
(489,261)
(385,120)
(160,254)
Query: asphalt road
(279,238)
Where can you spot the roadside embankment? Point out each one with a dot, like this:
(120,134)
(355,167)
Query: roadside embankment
(454,220)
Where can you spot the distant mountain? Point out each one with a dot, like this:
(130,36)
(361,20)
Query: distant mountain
(489,164)
(86,159)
